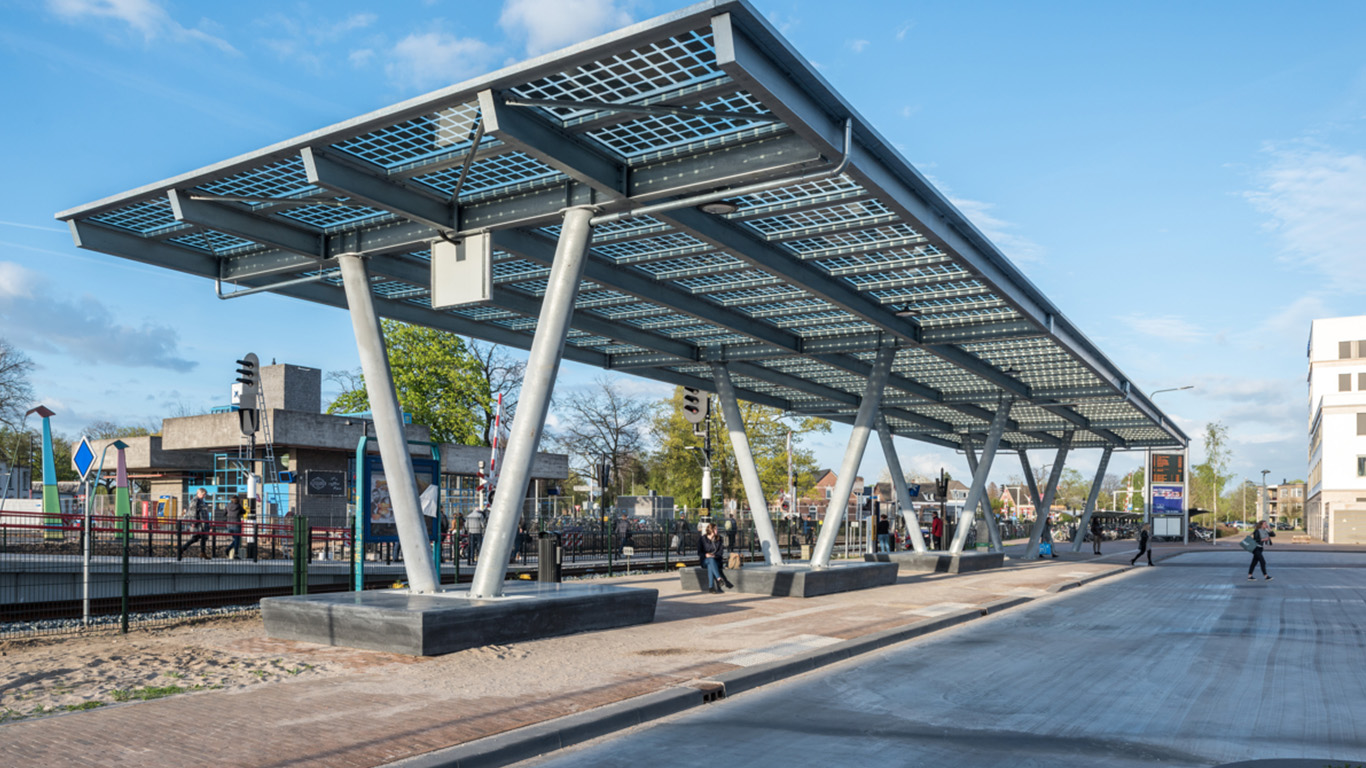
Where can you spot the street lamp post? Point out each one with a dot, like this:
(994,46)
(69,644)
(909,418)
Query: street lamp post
(1262,513)
(1148,462)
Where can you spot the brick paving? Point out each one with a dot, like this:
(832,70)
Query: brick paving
(384,707)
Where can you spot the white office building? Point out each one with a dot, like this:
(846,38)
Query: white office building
(1336,509)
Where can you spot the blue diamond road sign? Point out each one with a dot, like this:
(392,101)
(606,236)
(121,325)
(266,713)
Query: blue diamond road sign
(84,457)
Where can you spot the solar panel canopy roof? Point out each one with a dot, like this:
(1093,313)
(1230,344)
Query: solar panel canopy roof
(843,249)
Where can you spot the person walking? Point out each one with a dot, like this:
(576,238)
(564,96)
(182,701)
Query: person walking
(236,511)
(711,551)
(1262,536)
(1096,533)
(1046,538)
(884,535)
(937,532)
(1143,538)
(730,531)
(199,513)
(474,526)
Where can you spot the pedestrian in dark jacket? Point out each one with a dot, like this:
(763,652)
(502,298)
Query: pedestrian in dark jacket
(1262,535)
(236,511)
(711,551)
(199,513)
(1095,534)
(1143,537)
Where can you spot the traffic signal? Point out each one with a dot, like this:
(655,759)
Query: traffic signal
(248,381)
(696,405)
(604,473)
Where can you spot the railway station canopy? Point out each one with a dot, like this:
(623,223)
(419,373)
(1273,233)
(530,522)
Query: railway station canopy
(746,214)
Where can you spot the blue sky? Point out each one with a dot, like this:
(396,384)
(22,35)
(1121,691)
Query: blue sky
(1187,181)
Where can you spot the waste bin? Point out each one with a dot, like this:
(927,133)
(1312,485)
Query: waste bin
(549,558)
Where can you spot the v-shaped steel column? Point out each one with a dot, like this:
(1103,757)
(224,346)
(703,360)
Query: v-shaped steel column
(903,494)
(389,432)
(744,460)
(542,366)
(979,476)
(1041,506)
(1091,500)
(853,456)
(993,530)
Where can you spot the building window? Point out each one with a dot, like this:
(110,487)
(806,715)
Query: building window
(1361,466)
(1344,382)
(1361,348)
(1361,382)
(1361,423)
(1344,350)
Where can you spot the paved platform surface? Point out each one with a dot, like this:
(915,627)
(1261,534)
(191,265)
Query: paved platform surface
(391,709)
(1185,664)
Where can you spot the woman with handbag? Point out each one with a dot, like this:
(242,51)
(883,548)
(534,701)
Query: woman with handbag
(710,550)
(1260,537)
(1143,537)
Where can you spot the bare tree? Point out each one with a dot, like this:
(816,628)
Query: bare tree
(601,422)
(16,394)
(504,375)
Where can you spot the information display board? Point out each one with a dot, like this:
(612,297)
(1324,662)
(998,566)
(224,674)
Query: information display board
(1169,469)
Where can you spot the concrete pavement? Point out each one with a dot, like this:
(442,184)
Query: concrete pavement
(1186,664)
(496,705)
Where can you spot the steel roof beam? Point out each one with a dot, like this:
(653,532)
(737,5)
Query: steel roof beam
(529,133)
(922,206)
(375,191)
(756,251)
(538,249)
(235,221)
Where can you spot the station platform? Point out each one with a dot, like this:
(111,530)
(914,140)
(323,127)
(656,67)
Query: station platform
(492,704)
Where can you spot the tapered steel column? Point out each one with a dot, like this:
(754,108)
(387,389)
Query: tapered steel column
(744,460)
(1046,503)
(1091,500)
(853,456)
(979,477)
(903,494)
(389,432)
(542,366)
(993,530)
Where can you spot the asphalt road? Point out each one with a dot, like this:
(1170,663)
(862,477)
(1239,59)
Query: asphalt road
(1184,664)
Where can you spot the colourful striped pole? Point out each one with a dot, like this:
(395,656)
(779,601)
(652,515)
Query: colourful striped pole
(52,507)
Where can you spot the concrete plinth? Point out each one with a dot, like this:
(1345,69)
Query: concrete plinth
(430,625)
(797,579)
(939,562)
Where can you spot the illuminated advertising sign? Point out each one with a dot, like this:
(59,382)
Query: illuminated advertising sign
(1167,500)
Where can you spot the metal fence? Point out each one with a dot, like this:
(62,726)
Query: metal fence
(71,573)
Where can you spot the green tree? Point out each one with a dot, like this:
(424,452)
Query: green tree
(675,469)
(1209,477)
(438,380)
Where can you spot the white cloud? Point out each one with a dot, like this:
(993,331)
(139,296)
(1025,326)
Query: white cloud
(37,317)
(1166,327)
(144,17)
(904,30)
(1315,198)
(436,59)
(1016,247)
(551,24)
(310,39)
(858,46)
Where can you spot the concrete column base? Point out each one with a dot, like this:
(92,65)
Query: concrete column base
(940,562)
(444,622)
(796,579)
